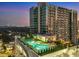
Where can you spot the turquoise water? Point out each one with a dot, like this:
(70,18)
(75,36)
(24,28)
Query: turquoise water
(38,47)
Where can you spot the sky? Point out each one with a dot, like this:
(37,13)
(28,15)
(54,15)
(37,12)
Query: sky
(17,13)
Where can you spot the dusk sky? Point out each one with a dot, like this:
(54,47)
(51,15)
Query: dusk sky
(17,14)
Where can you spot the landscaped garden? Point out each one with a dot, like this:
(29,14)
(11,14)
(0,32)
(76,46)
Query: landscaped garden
(41,47)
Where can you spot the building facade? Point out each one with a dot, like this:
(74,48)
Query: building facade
(34,19)
(54,20)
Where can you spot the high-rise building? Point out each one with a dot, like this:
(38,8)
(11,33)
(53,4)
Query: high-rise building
(73,26)
(77,25)
(54,20)
(34,19)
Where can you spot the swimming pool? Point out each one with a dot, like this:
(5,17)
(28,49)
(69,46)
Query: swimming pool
(36,46)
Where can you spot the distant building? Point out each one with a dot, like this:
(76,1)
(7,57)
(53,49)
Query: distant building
(54,20)
(78,25)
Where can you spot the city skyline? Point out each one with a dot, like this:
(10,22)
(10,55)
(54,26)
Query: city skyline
(17,14)
(39,29)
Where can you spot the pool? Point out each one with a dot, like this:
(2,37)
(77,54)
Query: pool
(36,46)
